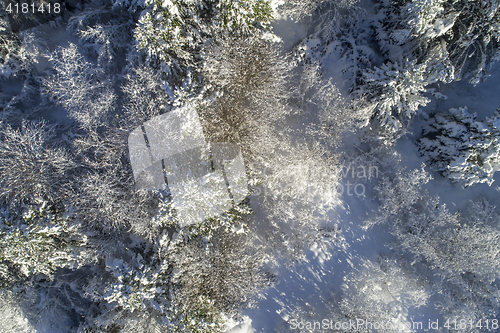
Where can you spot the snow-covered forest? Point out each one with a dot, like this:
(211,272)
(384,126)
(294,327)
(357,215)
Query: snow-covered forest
(249,166)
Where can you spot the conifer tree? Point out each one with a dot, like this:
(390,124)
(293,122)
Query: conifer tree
(39,242)
(173,32)
(462,148)
(393,93)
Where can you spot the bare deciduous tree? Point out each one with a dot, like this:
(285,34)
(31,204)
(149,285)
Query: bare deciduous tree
(33,167)
(249,78)
(81,88)
(144,96)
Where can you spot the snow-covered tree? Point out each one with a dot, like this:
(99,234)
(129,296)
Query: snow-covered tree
(404,28)
(296,191)
(462,148)
(461,249)
(87,95)
(124,321)
(9,43)
(33,167)
(393,93)
(144,96)
(299,9)
(413,215)
(106,200)
(18,52)
(474,41)
(453,243)
(107,34)
(81,88)
(336,114)
(249,78)
(473,246)
(236,219)
(127,294)
(216,274)
(383,293)
(103,191)
(468,299)
(415,29)
(10,46)
(379,295)
(39,242)
(174,31)
(191,282)
(422,42)
(100,200)
(438,66)
(337,30)
(469,258)
(467,30)
(422,17)
(137,286)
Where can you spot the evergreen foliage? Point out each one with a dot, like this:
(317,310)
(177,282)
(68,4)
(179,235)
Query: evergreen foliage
(173,32)
(393,94)
(215,275)
(466,30)
(462,148)
(39,242)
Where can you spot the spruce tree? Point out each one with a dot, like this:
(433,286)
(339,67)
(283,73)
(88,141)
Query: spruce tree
(462,148)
